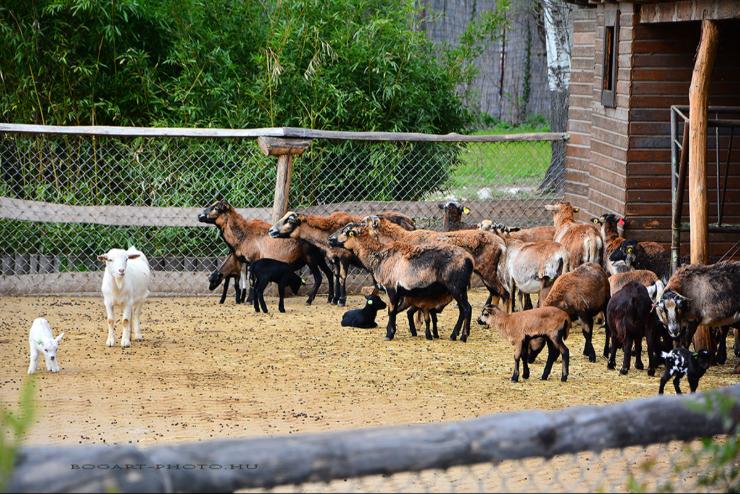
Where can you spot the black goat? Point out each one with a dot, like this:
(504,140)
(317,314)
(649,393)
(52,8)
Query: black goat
(263,272)
(630,317)
(681,362)
(230,268)
(365,317)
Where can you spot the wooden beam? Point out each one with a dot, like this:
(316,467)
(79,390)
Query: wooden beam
(698,102)
(688,10)
(284,460)
(284,149)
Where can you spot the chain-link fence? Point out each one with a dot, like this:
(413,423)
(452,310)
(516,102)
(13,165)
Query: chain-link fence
(67,196)
(648,445)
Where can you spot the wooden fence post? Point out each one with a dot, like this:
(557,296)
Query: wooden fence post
(284,149)
(698,124)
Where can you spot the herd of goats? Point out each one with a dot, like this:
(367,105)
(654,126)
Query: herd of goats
(578,271)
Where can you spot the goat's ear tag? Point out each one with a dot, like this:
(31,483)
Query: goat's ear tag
(369,302)
(466,210)
(596,221)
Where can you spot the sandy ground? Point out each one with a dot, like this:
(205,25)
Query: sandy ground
(207,370)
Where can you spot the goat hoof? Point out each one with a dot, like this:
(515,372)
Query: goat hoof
(464,338)
(639,366)
(623,371)
(592,358)
(436,336)
(544,377)
(341,303)
(525,375)
(651,372)
(611,366)
(514,379)
(453,337)
(564,378)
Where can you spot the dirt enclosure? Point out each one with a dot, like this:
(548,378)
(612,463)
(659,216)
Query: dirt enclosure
(206,370)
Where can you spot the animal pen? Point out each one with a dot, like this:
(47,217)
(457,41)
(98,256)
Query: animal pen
(68,194)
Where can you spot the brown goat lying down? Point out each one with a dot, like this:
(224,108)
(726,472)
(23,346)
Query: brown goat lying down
(548,323)
(404,270)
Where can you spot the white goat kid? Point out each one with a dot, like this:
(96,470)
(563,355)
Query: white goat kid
(42,342)
(125,286)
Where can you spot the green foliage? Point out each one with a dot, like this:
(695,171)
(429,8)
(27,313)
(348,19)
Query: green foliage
(345,64)
(15,426)
(717,461)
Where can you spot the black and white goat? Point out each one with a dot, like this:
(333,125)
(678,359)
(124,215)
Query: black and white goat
(681,362)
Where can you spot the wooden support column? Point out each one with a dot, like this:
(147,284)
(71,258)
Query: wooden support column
(698,201)
(698,102)
(284,149)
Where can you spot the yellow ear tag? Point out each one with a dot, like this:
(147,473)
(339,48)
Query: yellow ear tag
(629,250)
(596,221)
(369,302)
(351,234)
(466,210)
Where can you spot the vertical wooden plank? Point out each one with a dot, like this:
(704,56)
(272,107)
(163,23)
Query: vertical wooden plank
(282,186)
(698,101)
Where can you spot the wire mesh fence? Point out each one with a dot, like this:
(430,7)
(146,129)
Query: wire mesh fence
(675,466)
(65,198)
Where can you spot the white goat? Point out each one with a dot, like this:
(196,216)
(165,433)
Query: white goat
(125,285)
(41,341)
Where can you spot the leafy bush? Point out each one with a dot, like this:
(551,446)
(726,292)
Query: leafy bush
(13,428)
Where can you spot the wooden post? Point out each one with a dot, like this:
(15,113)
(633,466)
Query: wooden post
(698,121)
(284,149)
(698,102)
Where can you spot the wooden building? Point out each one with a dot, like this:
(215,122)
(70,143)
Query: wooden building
(631,61)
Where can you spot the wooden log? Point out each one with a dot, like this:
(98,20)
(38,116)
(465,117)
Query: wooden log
(284,149)
(228,465)
(278,146)
(282,186)
(291,132)
(698,102)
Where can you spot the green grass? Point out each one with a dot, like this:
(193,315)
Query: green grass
(504,168)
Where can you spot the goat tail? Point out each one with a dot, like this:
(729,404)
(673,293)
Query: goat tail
(565,329)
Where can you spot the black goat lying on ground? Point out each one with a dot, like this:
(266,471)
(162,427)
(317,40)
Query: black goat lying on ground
(365,317)
(681,362)
(263,272)
(230,268)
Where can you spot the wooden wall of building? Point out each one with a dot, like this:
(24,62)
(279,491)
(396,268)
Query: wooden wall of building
(663,59)
(619,158)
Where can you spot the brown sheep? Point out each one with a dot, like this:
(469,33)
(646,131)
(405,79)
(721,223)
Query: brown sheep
(548,323)
(582,240)
(315,230)
(453,213)
(582,293)
(534,234)
(249,241)
(403,270)
(646,278)
(486,248)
